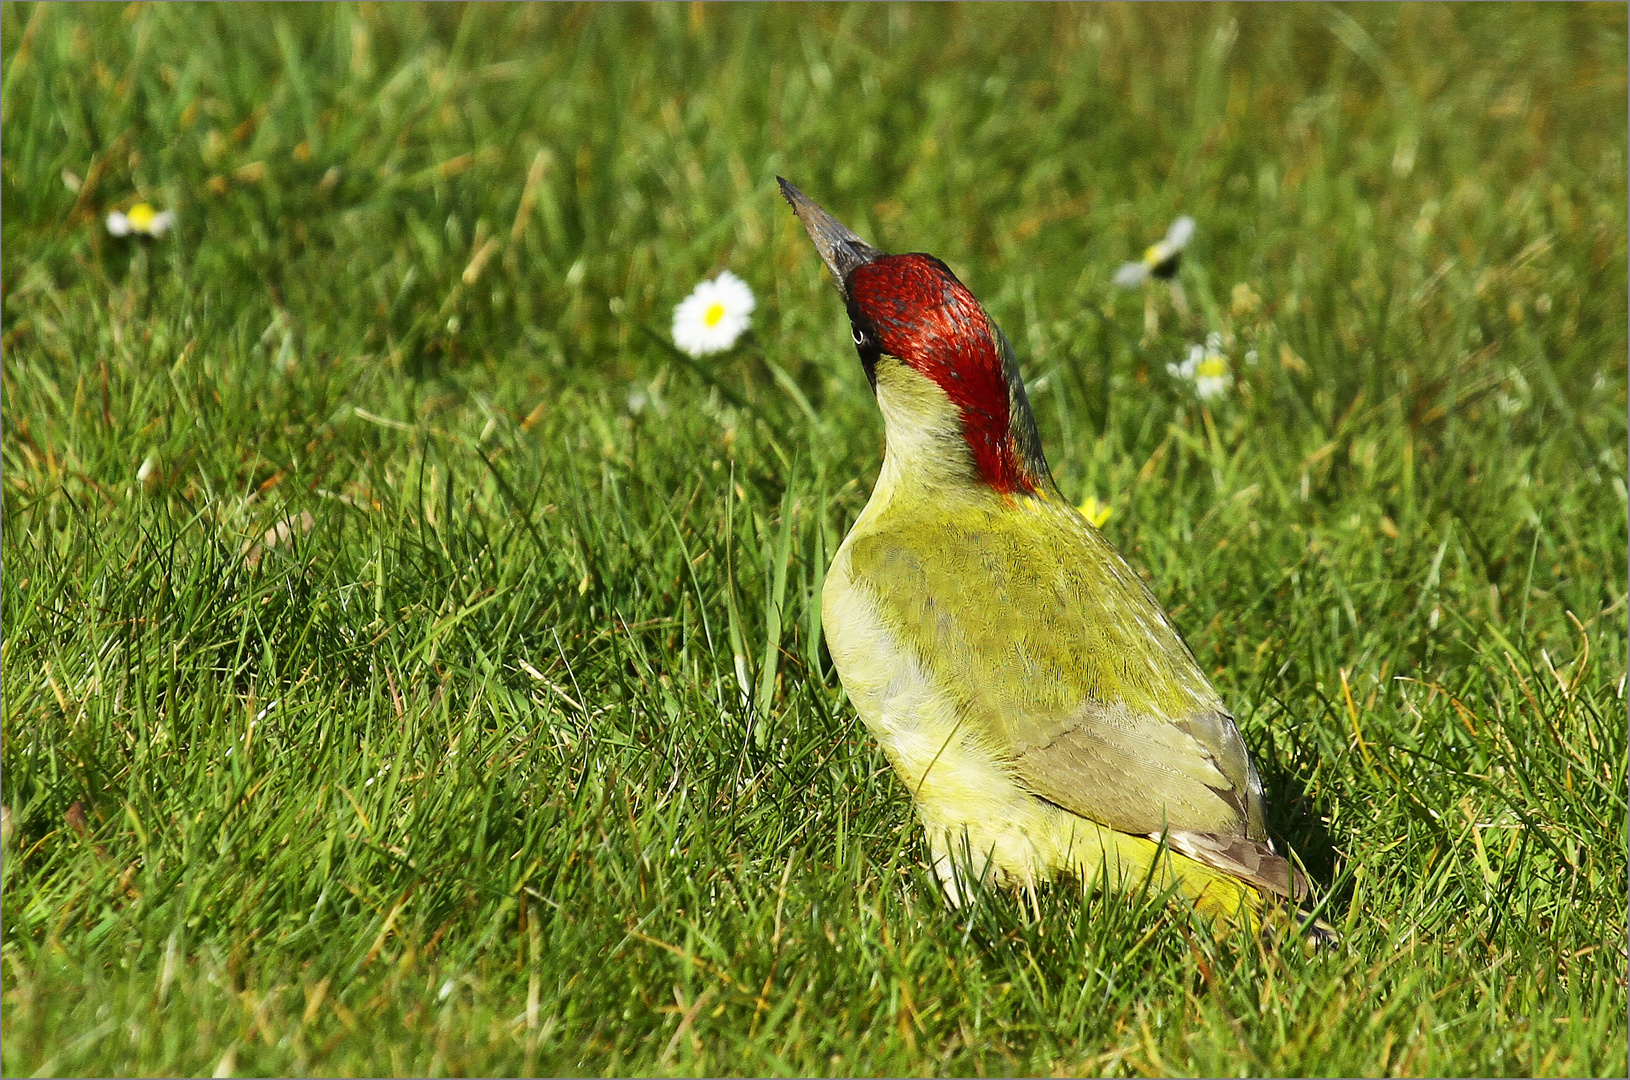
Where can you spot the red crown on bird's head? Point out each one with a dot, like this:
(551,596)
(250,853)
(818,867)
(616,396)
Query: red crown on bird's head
(913,308)
(917,311)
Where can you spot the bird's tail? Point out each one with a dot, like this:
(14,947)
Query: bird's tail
(1228,902)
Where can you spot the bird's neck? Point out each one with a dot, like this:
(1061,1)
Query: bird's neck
(939,448)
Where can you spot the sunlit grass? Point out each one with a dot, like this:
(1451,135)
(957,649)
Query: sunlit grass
(412,662)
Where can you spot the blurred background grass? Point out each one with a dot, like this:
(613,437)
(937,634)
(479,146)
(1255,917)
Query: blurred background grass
(516,749)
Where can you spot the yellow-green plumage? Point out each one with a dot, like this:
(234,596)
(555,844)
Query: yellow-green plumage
(1023,682)
(1039,706)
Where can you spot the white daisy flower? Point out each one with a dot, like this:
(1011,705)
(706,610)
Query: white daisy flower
(714,315)
(1206,367)
(140,220)
(1160,259)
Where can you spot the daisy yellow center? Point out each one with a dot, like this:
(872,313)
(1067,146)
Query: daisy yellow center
(714,314)
(141,217)
(1211,367)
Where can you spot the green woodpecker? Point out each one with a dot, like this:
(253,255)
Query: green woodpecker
(1044,713)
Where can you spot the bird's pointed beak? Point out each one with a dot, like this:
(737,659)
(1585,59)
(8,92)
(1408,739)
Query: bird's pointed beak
(840,249)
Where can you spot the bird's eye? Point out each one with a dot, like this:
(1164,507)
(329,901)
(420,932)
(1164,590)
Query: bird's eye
(860,339)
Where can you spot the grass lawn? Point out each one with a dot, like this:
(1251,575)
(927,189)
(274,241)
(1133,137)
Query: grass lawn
(412,664)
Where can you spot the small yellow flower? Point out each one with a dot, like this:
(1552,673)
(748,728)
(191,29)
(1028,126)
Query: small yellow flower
(1159,259)
(1095,511)
(1245,301)
(714,315)
(140,220)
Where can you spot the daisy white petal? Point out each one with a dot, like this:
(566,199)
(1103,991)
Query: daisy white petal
(1161,258)
(714,315)
(1177,237)
(1207,368)
(1131,275)
(1208,387)
(140,220)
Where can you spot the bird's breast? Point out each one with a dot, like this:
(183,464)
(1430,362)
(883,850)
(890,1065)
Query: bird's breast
(944,756)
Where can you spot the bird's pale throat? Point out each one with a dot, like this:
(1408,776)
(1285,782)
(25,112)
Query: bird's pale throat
(925,317)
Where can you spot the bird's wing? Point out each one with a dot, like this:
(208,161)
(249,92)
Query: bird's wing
(1064,665)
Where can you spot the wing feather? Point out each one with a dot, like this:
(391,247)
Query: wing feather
(1064,664)
(1249,860)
